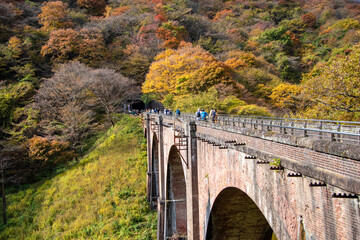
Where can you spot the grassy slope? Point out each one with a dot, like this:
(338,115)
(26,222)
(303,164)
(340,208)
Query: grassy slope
(102,197)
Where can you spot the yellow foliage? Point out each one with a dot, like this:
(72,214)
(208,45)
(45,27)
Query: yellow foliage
(15,44)
(335,86)
(253,110)
(235,63)
(239,59)
(187,69)
(285,95)
(346,24)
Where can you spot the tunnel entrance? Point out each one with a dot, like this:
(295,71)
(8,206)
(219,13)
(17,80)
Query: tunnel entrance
(155,173)
(235,216)
(176,212)
(138,105)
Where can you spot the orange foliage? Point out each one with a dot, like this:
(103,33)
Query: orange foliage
(15,44)
(309,19)
(235,63)
(172,34)
(238,59)
(87,45)
(116,11)
(160,18)
(251,45)
(49,151)
(295,40)
(54,16)
(222,14)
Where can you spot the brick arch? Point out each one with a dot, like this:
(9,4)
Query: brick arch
(235,216)
(154,171)
(176,211)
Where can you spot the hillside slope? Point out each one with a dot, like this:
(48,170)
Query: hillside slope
(101,197)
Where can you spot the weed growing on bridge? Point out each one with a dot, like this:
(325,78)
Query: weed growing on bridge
(102,197)
(276,164)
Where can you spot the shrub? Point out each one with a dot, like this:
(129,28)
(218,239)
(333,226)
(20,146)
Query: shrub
(290,67)
(253,110)
(12,97)
(190,103)
(49,152)
(251,78)
(346,24)
(309,19)
(240,59)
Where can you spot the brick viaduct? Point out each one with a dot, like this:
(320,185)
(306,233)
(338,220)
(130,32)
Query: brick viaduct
(214,181)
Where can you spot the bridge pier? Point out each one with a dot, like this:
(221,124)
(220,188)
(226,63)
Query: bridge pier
(162,194)
(192,179)
(149,154)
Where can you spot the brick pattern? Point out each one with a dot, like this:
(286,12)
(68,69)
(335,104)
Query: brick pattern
(344,166)
(284,201)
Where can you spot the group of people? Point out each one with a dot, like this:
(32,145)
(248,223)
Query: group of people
(153,110)
(165,112)
(202,115)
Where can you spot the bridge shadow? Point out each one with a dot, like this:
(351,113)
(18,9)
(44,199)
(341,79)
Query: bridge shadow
(235,216)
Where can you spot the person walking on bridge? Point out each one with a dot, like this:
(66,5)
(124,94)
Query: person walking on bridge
(197,114)
(212,114)
(203,115)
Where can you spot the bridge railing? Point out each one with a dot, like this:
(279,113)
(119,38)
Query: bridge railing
(339,131)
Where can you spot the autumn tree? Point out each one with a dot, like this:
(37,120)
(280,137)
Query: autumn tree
(65,105)
(186,70)
(62,45)
(309,19)
(286,95)
(86,45)
(54,15)
(48,152)
(111,90)
(70,101)
(171,33)
(336,86)
(94,7)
